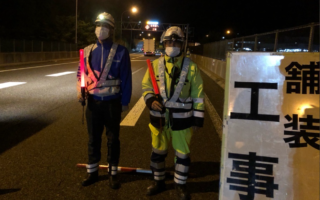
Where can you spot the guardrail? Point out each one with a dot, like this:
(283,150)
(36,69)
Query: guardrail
(297,39)
(32,57)
(14,45)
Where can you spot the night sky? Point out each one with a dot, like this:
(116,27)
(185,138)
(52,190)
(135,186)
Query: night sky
(21,18)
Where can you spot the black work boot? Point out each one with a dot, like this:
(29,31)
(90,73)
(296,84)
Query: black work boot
(114,182)
(91,179)
(182,191)
(156,188)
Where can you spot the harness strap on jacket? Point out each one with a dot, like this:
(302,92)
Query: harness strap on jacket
(88,51)
(101,81)
(173,100)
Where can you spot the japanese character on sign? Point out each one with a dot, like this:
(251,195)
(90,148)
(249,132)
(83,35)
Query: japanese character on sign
(296,135)
(309,78)
(258,172)
(253,115)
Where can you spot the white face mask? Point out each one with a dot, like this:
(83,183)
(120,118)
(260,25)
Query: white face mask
(172,51)
(102,33)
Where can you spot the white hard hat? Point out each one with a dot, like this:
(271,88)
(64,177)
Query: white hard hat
(105,18)
(162,36)
(173,33)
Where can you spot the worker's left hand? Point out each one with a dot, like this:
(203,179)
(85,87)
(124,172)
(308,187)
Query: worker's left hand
(80,98)
(125,108)
(79,95)
(195,128)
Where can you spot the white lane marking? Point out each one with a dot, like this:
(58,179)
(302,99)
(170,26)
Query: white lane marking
(36,67)
(137,70)
(61,74)
(215,118)
(10,84)
(140,60)
(137,57)
(134,114)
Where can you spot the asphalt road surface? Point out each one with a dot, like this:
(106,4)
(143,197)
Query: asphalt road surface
(42,138)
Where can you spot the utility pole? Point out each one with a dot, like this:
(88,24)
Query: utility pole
(187,33)
(76,20)
(131,41)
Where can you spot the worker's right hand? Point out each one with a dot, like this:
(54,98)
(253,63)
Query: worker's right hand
(156,106)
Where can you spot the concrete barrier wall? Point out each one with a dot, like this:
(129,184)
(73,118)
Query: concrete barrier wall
(214,66)
(29,57)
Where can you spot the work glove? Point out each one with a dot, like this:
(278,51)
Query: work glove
(156,105)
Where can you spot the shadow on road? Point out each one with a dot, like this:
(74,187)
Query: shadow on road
(197,170)
(129,177)
(199,187)
(14,132)
(5,191)
(201,169)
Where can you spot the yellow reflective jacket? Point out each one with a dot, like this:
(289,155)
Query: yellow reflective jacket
(188,108)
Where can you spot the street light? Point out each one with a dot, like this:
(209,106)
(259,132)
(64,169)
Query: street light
(228,32)
(207,35)
(148,34)
(133,10)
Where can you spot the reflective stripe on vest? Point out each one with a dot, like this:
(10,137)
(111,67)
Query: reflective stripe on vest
(87,52)
(103,87)
(186,100)
(183,114)
(172,103)
(105,83)
(105,91)
(149,95)
(198,114)
(198,100)
(156,113)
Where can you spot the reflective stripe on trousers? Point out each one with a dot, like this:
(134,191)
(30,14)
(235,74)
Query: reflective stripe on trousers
(158,170)
(113,170)
(181,168)
(157,163)
(92,167)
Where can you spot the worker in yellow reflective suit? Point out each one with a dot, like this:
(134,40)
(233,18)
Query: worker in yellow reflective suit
(176,114)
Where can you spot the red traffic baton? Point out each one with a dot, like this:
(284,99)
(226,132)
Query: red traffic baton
(82,76)
(155,86)
(153,78)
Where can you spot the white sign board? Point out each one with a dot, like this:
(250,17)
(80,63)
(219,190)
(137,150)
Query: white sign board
(270,146)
